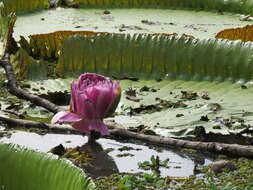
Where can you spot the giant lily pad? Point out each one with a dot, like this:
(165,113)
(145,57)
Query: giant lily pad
(26,169)
(244,34)
(198,24)
(24,5)
(229,5)
(228,110)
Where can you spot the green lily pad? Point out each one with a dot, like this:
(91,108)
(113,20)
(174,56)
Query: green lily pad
(24,5)
(198,24)
(227,102)
(34,170)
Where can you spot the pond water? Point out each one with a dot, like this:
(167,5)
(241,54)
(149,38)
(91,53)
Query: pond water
(197,23)
(181,164)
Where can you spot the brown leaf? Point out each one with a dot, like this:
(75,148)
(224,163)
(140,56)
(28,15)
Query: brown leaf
(133,98)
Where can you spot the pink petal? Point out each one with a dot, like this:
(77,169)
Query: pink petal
(115,99)
(82,126)
(99,126)
(86,126)
(104,100)
(81,103)
(88,79)
(74,94)
(85,106)
(65,117)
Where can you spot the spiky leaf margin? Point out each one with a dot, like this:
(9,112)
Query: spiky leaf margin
(157,56)
(238,6)
(24,5)
(24,169)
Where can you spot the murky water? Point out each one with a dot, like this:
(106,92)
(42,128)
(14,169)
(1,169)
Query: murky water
(181,164)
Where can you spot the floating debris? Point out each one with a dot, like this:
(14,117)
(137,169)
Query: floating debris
(204,118)
(131,95)
(205,96)
(179,115)
(188,95)
(161,105)
(122,77)
(147,89)
(125,155)
(220,166)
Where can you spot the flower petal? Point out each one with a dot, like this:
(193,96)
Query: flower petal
(99,126)
(65,117)
(74,95)
(86,126)
(82,126)
(89,79)
(86,107)
(104,100)
(115,99)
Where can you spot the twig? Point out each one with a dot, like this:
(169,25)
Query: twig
(19,123)
(17,91)
(13,112)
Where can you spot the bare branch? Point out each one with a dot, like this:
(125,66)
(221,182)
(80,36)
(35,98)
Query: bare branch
(231,149)
(17,91)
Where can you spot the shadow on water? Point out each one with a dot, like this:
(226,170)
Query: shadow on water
(101,164)
(111,156)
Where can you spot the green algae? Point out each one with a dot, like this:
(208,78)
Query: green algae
(240,179)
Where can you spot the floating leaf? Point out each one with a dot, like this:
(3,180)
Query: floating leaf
(25,169)
(156,56)
(227,100)
(24,5)
(244,34)
(6,29)
(220,5)
(49,45)
(26,67)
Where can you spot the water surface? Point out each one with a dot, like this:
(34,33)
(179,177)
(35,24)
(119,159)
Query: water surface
(181,164)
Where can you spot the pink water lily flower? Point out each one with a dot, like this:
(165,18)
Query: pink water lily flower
(93,97)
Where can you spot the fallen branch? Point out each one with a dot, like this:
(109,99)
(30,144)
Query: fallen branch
(231,149)
(222,148)
(17,91)
(19,123)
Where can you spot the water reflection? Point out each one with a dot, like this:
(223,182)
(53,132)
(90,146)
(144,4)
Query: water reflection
(181,164)
(101,163)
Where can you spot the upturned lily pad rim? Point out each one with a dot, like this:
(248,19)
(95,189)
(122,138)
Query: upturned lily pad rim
(23,168)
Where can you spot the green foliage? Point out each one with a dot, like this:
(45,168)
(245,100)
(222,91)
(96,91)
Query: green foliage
(156,56)
(49,45)
(25,169)
(154,164)
(240,179)
(24,5)
(240,6)
(26,67)
(6,28)
(143,181)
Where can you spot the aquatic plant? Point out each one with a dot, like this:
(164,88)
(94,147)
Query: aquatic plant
(26,169)
(93,97)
